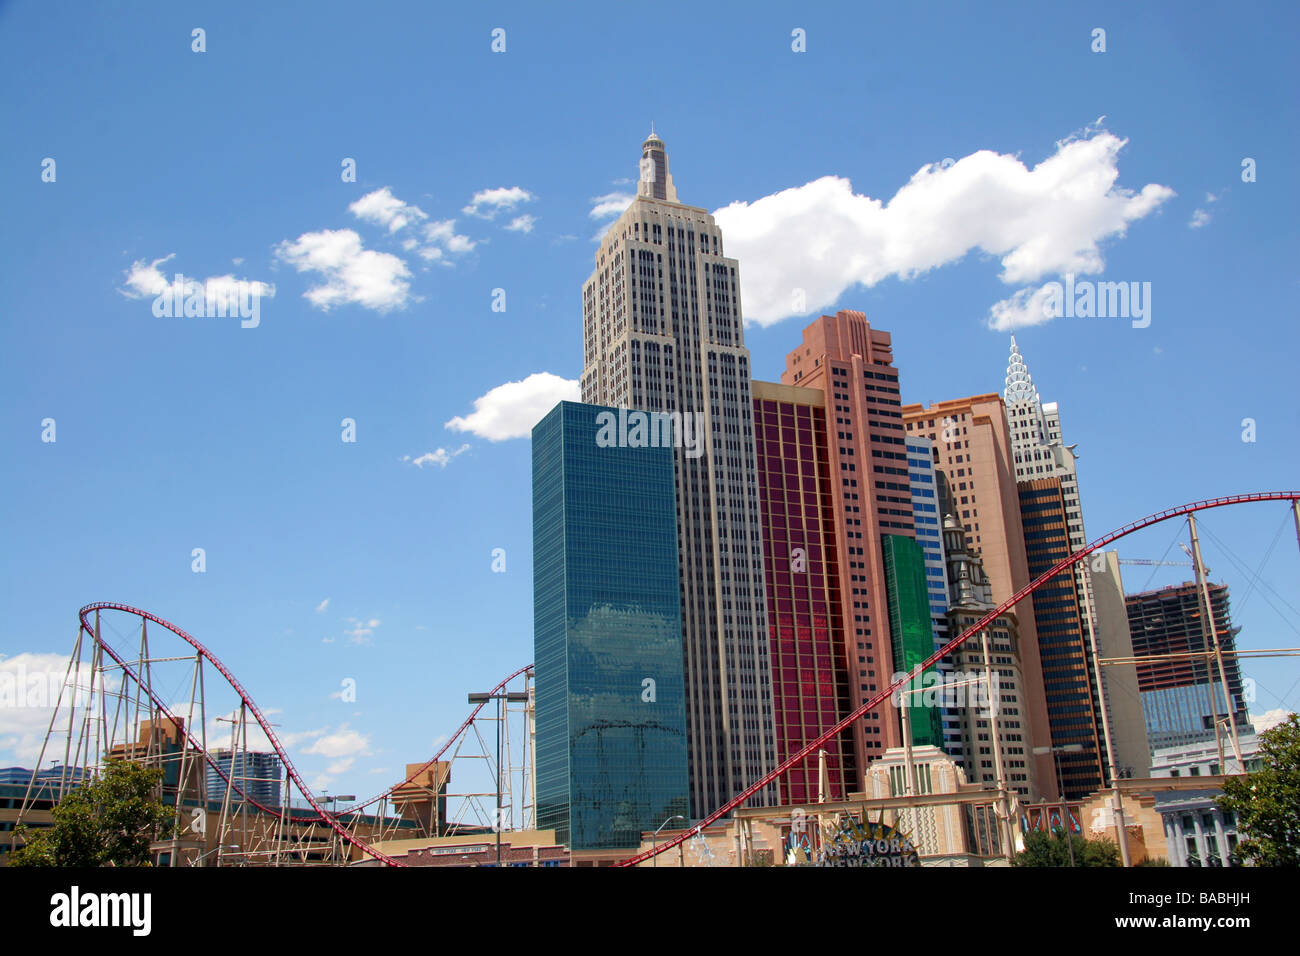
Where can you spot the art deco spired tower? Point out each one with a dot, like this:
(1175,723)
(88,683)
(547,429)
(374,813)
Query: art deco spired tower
(662,331)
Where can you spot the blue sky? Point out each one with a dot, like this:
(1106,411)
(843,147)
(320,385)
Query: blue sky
(478,171)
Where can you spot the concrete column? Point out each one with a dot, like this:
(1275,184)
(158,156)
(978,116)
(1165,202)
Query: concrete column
(1221,837)
(1200,839)
(1174,840)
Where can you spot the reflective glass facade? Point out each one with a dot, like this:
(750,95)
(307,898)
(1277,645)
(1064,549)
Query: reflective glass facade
(611,719)
(911,628)
(1180,696)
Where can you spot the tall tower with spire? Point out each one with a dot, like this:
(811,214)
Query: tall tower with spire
(663,332)
(1043,460)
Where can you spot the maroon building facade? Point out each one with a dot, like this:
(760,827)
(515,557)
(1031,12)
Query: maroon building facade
(801,566)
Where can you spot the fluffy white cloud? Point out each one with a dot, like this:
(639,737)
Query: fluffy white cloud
(29,689)
(352,274)
(610,204)
(522,223)
(144,278)
(383,208)
(440,457)
(821,239)
(1026,307)
(1199,218)
(511,410)
(442,237)
(488,202)
(322,605)
(341,743)
(1269,719)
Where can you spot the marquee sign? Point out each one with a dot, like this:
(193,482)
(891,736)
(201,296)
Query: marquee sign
(868,844)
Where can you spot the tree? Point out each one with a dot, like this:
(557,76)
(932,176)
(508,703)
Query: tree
(1050,849)
(108,822)
(1267,802)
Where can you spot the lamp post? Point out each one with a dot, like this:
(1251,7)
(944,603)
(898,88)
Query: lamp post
(676,816)
(1060,787)
(513,697)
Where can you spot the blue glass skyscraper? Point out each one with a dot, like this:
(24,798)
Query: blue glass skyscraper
(610,709)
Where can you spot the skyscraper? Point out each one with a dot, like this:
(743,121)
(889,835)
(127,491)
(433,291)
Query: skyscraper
(1182,697)
(1063,646)
(972,449)
(663,332)
(1041,455)
(1004,704)
(257,775)
(610,707)
(852,364)
(927,513)
(810,674)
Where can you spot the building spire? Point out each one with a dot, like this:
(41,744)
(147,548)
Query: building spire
(1020,384)
(656,182)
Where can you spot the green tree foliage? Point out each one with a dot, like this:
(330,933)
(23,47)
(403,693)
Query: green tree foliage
(1050,849)
(1267,802)
(108,822)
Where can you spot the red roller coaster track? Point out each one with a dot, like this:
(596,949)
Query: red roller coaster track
(332,819)
(795,759)
(328,819)
(323,816)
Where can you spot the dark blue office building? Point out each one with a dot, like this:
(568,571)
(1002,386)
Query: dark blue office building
(610,709)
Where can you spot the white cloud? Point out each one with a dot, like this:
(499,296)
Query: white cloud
(341,743)
(522,223)
(383,208)
(511,410)
(1210,197)
(441,237)
(1199,218)
(824,239)
(29,689)
(322,605)
(610,204)
(373,280)
(1269,719)
(144,278)
(225,292)
(440,457)
(488,202)
(361,632)
(1026,307)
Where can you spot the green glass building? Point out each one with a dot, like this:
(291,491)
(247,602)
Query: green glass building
(911,630)
(607,632)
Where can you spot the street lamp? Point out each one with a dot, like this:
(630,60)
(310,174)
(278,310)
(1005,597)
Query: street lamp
(513,697)
(1060,786)
(676,816)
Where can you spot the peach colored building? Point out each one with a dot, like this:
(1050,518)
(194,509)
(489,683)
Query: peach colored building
(972,447)
(852,364)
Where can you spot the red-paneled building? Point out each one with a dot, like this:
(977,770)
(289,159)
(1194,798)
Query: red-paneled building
(801,566)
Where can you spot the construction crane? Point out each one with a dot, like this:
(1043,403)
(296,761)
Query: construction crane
(1150,563)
